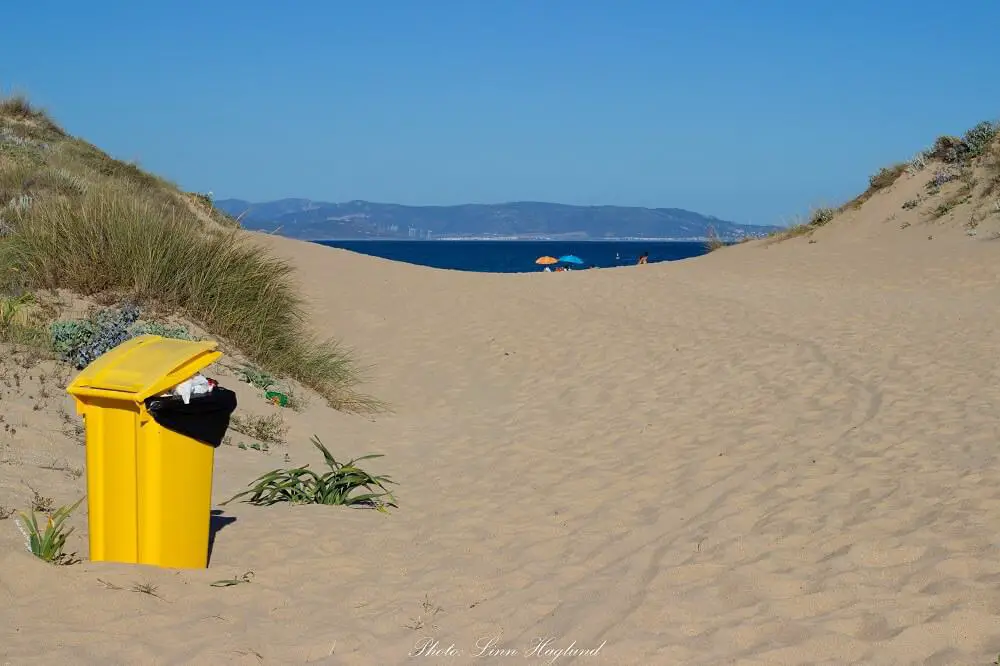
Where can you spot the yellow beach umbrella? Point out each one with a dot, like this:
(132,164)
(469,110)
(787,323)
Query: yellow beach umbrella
(545,261)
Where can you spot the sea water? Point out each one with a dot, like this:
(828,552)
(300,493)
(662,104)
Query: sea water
(518,256)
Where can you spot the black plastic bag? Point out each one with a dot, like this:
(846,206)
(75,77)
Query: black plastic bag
(205,418)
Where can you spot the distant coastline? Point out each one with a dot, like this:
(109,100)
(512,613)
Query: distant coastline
(306,219)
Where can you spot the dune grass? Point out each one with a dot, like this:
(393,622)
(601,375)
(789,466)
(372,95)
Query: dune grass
(713,242)
(991,162)
(111,240)
(819,217)
(978,147)
(17,107)
(72,217)
(883,179)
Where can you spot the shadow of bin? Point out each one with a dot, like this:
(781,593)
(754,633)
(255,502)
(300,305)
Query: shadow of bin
(150,458)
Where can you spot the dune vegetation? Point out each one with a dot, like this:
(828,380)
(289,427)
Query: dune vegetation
(74,218)
(972,161)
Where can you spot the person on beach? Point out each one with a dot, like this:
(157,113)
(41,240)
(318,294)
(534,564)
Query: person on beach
(644,259)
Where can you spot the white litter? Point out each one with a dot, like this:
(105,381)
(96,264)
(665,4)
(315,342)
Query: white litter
(197,385)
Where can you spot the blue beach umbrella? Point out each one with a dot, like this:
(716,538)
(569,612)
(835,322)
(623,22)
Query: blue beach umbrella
(570,259)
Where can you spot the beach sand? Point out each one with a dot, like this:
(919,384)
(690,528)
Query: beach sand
(774,454)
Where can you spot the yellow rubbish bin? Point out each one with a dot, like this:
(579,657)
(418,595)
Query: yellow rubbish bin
(149,487)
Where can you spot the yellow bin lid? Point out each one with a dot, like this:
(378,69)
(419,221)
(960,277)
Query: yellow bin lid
(143,367)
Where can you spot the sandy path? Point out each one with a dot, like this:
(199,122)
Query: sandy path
(774,456)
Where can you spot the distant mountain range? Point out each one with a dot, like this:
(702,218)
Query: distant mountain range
(318,220)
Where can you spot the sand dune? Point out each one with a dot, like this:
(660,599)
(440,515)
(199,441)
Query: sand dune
(776,454)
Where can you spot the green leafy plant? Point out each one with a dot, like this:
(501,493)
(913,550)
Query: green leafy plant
(256,377)
(48,544)
(80,341)
(301,485)
(69,336)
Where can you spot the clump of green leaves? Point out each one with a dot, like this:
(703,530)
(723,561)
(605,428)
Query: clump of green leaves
(301,485)
(80,341)
(70,336)
(47,544)
(256,377)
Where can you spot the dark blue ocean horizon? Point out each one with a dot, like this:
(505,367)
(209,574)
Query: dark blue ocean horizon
(486,256)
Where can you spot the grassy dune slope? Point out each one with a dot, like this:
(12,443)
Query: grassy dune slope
(958,178)
(72,217)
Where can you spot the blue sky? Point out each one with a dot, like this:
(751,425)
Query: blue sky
(749,110)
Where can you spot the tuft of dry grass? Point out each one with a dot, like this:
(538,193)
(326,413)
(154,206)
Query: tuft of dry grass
(267,429)
(18,109)
(820,217)
(991,166)
(204,203)
(960,196)
(883,179)
(947,149)
(95,160)
(714,242)
(886,177)
(23,320)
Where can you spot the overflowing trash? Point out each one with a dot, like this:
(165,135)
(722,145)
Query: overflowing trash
(198,408)
(196,385)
